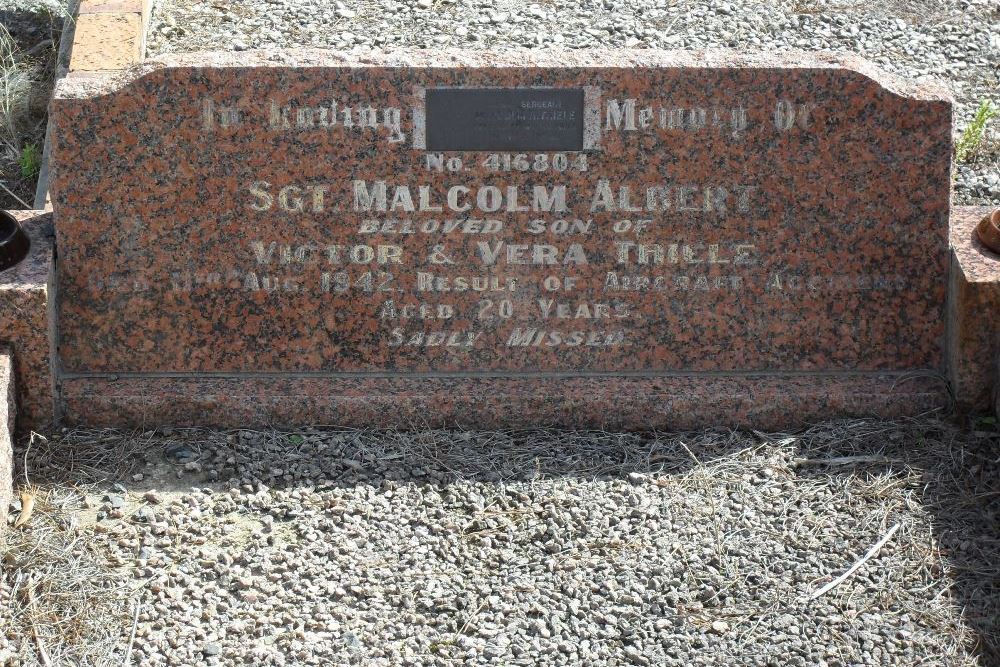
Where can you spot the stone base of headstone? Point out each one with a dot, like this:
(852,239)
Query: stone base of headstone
(974,321)
(763,401)
(25,302)
(7,413)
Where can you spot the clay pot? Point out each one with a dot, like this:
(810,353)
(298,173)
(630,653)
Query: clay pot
(14,243)
(989,231)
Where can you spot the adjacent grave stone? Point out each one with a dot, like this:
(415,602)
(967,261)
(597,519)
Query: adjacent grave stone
(974,313)
(26,323)
(631,239)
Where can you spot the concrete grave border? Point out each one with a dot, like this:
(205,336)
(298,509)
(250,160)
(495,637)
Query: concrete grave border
(8,409)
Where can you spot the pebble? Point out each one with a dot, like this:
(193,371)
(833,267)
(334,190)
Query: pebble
(114,501)
(720,627)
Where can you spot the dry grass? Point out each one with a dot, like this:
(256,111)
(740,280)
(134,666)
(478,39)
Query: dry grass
(17,78)
(17,82)
(85,457)
(61,601)
(27,67)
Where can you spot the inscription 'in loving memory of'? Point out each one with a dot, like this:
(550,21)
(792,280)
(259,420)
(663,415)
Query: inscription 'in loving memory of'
(623,115)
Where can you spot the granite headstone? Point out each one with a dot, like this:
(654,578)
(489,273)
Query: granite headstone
(631,239)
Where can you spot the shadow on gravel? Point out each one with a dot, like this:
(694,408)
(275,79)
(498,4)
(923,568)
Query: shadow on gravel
(956,474)
(942,483)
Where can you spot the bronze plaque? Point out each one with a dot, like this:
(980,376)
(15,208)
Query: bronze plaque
(500,119)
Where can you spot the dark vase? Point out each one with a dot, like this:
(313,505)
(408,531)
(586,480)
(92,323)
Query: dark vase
(14,243)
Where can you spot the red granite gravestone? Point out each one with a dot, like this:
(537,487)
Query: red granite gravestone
(622,239)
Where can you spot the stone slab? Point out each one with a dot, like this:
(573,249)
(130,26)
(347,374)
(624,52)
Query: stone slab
(8,411)
(974,313)
(25,303)
(42,201)
(222,218)
(112,7)
(614,402)
(105,40)
(115,39)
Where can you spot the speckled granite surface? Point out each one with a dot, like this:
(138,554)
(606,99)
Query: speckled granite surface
(630,403)
(24,322)
(974,313)
(749,213)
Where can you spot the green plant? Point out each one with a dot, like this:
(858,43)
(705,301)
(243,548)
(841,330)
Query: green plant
(971,139)
(986,423)
(30,161)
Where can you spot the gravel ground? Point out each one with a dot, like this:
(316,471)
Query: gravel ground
(508,548)
(957,41)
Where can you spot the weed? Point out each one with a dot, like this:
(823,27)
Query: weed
(30,161)
(972,138)
(985,423)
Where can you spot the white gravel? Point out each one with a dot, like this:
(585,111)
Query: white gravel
(957,41)
(528,548)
